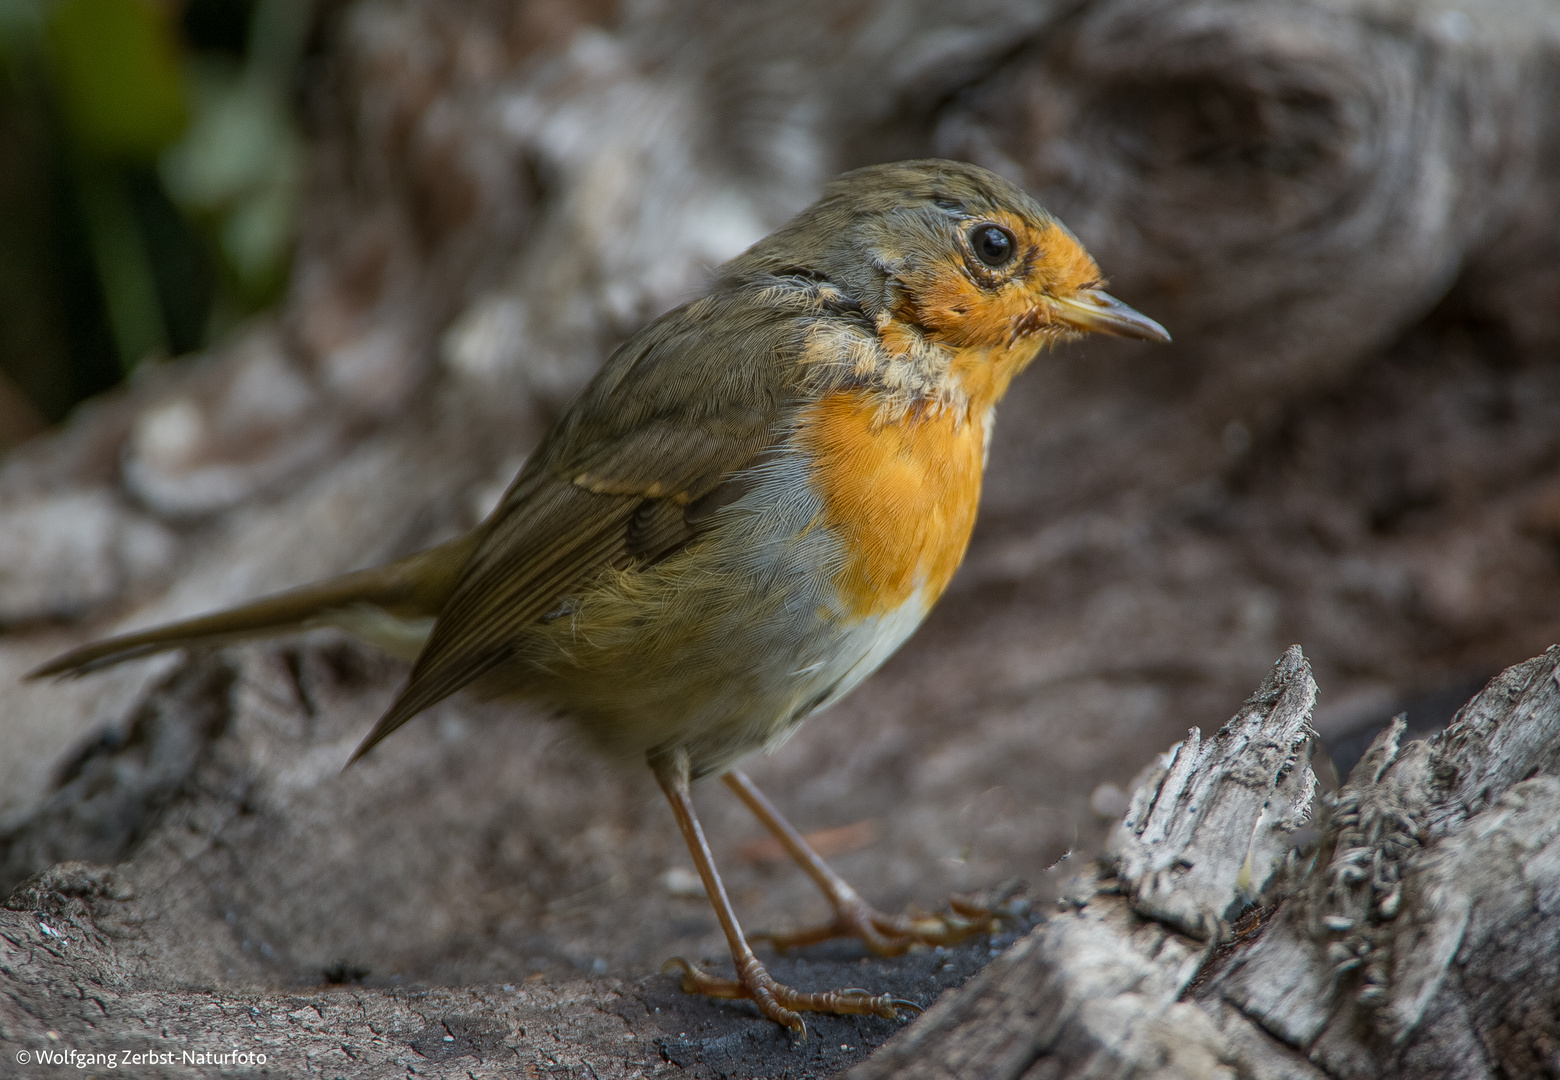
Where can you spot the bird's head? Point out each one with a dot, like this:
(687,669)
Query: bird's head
(954,250)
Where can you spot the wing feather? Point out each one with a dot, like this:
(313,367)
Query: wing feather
(630,472)
(516,584)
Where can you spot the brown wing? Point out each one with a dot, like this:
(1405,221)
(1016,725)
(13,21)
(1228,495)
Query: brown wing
(627,475)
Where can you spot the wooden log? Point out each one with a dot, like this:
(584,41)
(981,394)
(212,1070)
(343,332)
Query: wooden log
(1386,944)
(1412,937)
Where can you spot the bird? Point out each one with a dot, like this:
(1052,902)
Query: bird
(754,502)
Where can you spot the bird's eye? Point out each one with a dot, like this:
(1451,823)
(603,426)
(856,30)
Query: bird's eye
(993,244)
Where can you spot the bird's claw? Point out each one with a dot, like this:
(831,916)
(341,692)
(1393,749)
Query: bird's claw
(781,1003)
(892,935)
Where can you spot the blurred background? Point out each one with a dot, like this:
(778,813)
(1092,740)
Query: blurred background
(148,199)
(289,290)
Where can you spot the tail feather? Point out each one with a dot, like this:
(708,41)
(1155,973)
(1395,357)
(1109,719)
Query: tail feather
(415,588)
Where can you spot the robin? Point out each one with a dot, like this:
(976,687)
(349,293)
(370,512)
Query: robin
(749,508)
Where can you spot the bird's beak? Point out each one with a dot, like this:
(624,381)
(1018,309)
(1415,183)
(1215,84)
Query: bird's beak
(1094,309)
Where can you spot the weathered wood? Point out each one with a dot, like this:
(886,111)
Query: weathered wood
(75,977)
(1096,990)
(1423,941)
(1210,825)
(1416,937)
(1383,948)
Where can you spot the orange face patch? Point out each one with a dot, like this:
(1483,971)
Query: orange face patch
(995,327)
(956,310)
(902,496)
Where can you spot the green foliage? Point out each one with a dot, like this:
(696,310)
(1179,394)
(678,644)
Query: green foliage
(150,164)
(115,69)
(237,170)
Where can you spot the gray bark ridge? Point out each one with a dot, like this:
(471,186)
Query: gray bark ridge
(1423,940)
(1418,935)
(1209,823)
(1097,990)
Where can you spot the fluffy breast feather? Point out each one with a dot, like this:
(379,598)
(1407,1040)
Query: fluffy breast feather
(900,495)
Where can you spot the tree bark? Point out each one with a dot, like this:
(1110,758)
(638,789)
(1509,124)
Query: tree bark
(1341,210)
(1415,937)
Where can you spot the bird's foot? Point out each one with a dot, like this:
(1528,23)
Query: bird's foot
(893,935)
(781,1003)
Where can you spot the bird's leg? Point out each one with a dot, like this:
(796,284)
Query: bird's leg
(886,935)
(775,1000)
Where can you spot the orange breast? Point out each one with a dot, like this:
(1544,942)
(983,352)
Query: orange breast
(901,495)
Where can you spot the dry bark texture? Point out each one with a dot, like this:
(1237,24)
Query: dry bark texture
(1415,937)
(1343,210)
(1415,932)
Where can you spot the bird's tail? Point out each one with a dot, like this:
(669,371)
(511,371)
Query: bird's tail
(392,606)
